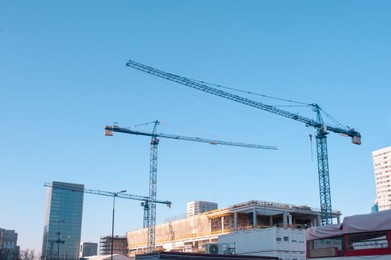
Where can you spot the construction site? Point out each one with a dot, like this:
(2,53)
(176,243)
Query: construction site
(256,228)
(253,228)
(221,231)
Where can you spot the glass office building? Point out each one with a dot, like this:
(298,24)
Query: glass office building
(63,219)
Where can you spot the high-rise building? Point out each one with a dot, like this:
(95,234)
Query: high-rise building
(9,250)
(63,220)
(382,168)
(195,207)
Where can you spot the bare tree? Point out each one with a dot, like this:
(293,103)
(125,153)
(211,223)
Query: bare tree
(28,254)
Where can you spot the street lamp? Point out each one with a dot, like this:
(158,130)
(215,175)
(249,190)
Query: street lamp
(66,247)
(115,194)
(58,240)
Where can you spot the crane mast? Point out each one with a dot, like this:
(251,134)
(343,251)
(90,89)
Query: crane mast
(321,128)
(152,189)
(150,205)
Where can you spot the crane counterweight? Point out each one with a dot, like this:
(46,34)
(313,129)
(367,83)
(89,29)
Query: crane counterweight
(108,132)
(356,139)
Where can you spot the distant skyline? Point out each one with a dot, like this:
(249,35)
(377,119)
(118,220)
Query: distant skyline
(63,78)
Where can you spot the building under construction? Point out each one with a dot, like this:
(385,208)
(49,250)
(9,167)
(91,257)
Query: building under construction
(118,243)
(217,231)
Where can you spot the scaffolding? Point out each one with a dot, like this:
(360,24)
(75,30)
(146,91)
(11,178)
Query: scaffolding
(119,245)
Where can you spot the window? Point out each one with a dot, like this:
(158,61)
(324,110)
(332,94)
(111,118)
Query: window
(367,240)
(328,242)
(327,247)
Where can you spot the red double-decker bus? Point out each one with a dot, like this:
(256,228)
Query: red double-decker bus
(365,236)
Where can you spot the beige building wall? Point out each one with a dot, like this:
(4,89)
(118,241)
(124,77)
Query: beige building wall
(382,169)
(171,232)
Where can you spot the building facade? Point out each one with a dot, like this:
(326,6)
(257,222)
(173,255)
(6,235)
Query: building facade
(63,220)
(195,207)
(9,250)
(382,169)
(88,249)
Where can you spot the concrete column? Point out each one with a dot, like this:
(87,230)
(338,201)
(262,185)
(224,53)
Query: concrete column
(235,220)
(222,224)
(289,220)
(271,221)
(284,219)
(254,217)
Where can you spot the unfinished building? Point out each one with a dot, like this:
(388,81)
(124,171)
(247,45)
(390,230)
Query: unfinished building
(118,244)
(195,233)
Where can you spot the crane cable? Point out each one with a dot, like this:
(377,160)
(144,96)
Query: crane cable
(302,104)
(252,93)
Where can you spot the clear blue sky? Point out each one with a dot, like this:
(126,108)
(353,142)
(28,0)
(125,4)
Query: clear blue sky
(63,78)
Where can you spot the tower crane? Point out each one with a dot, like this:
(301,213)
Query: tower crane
(150,208)
(321,128)
(144,199)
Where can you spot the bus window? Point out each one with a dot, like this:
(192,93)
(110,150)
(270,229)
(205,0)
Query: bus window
(326,247)
(367,240)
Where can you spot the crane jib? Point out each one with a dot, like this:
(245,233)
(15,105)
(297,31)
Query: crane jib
(356,137)
(196,85)
(187,138)
(110,194)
